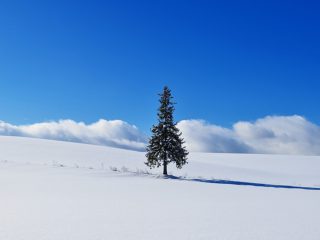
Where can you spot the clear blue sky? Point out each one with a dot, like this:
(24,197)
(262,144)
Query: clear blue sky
(224,60)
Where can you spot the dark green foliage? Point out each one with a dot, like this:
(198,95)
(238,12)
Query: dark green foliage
(166,143)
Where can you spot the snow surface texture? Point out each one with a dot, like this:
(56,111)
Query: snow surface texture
(59,190)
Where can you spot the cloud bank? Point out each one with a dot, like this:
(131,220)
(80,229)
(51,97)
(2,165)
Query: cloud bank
(272,135)
(115,133)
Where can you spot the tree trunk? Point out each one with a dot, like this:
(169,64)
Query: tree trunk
(165,168)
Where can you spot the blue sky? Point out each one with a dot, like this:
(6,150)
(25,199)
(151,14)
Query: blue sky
(224,60)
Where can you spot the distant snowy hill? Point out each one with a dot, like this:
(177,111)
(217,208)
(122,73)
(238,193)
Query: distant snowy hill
(61,190)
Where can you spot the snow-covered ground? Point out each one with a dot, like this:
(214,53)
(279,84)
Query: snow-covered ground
(60,190)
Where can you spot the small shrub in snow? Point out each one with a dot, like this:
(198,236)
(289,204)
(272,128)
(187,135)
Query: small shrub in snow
(114,169)
(142,171)
(124,169)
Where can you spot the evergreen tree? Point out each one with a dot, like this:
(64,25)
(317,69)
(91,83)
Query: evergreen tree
(166,143)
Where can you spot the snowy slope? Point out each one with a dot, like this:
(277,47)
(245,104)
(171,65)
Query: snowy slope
(273,169)
(60,190)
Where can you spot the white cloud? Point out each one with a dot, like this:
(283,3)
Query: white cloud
(291,134)
(115,133)
(272,134)
(201,136)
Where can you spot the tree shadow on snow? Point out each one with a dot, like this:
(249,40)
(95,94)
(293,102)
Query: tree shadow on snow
(240,183)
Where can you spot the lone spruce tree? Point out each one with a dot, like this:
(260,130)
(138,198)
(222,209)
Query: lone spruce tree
(166,144)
